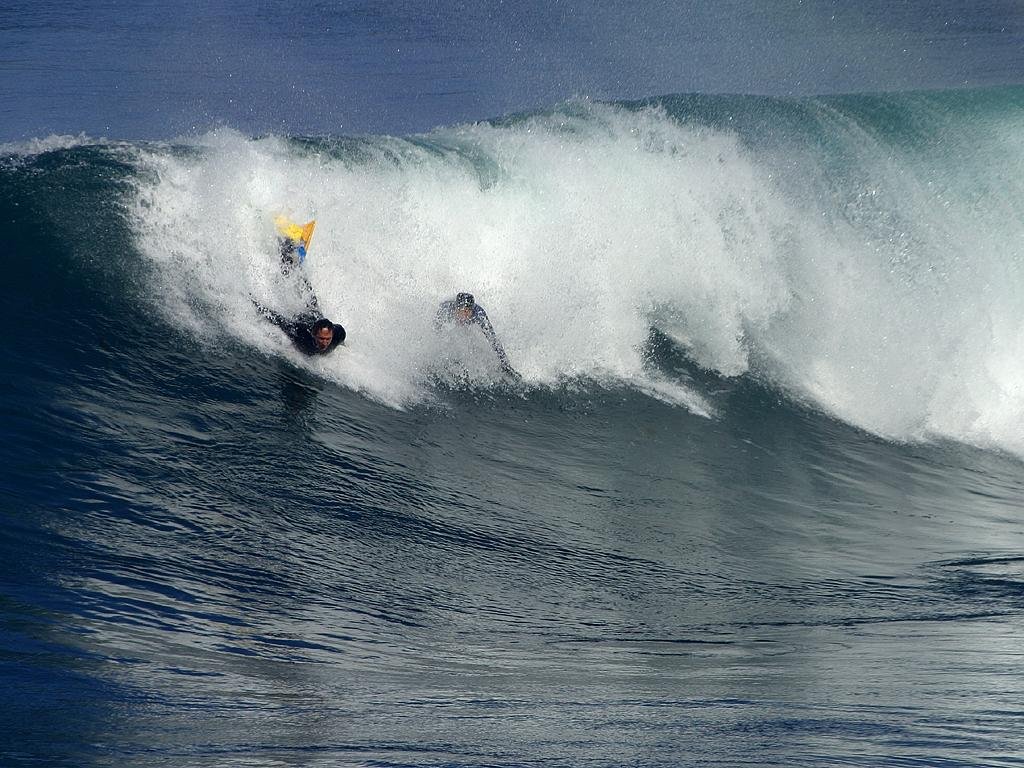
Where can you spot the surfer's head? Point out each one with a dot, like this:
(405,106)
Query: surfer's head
(323,334)
(464,304)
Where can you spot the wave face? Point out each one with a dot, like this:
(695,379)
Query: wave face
(757,498)
(860,253)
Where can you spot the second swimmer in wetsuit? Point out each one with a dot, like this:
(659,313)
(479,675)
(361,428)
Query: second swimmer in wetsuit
(463,310)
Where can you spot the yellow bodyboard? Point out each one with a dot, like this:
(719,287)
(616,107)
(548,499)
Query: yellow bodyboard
(300,233)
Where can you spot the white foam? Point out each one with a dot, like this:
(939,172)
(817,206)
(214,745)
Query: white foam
(892,302)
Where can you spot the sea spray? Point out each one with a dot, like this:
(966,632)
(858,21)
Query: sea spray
(860,253)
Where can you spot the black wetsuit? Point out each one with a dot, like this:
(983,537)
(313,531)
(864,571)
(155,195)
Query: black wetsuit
(292,256)
(300,331)
(300,328)
(448,313)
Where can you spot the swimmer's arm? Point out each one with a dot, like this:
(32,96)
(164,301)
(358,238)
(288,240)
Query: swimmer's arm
(488,330)
(444,315)
(290,327)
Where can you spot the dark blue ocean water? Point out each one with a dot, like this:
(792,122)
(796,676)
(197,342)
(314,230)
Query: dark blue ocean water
(756,502)
(158,70)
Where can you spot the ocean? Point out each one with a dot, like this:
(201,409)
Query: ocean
(756,500)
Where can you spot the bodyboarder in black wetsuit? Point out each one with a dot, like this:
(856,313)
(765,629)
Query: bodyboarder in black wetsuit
(311,335)
(310,332)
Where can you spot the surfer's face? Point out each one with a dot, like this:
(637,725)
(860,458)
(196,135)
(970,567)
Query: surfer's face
(463,314)
(322,338)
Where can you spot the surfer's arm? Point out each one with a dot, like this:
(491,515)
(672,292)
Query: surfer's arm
(312,302)
(293,253)
(290,327)
(444,315)
(481,319)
